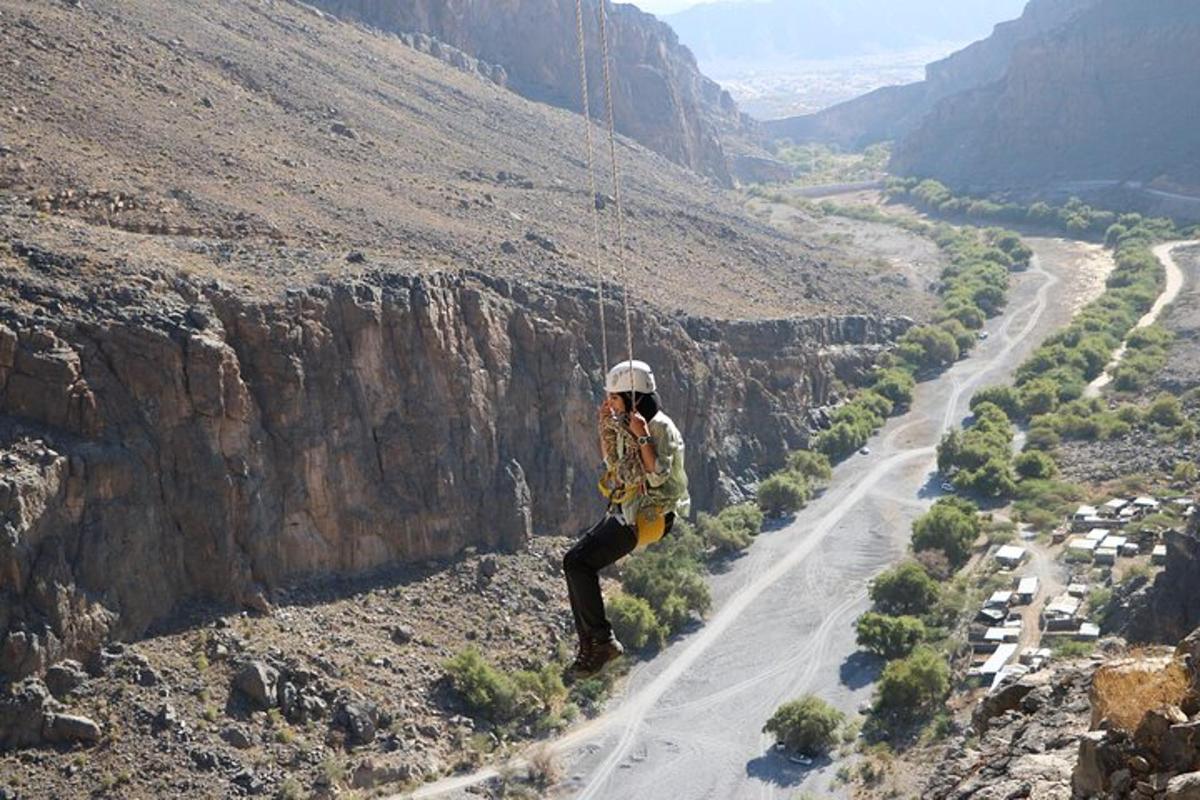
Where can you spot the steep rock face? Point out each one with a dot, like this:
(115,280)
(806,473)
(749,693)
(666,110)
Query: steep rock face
(1112,95)
(172,439)
(893,112)
(660,97)
(1166,609)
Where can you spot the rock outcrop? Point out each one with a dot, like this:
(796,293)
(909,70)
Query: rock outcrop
(1166,609)
(660,97)
(892,112)
(174,438)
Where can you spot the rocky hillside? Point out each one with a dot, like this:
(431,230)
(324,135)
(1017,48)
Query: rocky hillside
(660,97)
(893,112)
(1112,95)
(281,297)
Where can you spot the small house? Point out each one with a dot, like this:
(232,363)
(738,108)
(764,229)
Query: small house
(1027,589)
(1077,590)
(1114,542)
(1088,631)
(1098,534)
(1000,599)
(990,616)
(1105,555)
(1129,550)
(1010,555)
(1147,505)
(1083,512)
(1080,546)
(998,660)
(1159,554)
(1113,507)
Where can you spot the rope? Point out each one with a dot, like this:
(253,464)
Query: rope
(587,125)
(616,182)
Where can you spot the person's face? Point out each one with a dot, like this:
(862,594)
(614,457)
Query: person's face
(616,403)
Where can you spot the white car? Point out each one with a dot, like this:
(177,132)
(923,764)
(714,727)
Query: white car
(983,335)
(948,487)
(866,451)
(803,761)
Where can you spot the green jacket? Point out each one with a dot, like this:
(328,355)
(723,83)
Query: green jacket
(667,485)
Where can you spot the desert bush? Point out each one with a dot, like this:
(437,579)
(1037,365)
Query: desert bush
(634,622)
(904,589)
(782,494)
(888,636)
(807,725)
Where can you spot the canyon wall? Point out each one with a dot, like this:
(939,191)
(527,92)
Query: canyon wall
(167,439)
(660,97)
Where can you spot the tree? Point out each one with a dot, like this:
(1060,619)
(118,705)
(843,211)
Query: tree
(904,589)
(887,636)
(914,683)
(952,526)
(808,726)
(1035,464)
(932,346)
(782,494)
(994,478)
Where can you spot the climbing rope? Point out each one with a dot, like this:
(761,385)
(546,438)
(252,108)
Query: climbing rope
(616,182)
(587,127)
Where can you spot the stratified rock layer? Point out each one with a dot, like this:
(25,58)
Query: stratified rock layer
(172,438)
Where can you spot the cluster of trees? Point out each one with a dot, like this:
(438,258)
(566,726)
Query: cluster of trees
(1145,357)
(1074,218)
(853,423)
(979,459)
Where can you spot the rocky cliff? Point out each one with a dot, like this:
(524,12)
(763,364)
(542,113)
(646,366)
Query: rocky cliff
(171,438)
(660,97)
(1111,95)
(893,112)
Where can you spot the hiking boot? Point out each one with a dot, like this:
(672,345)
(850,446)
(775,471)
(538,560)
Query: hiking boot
(579,667)
(604,652)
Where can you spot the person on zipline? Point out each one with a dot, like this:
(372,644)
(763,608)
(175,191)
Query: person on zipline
(646,487)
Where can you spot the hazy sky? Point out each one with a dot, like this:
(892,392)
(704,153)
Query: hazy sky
(669,6)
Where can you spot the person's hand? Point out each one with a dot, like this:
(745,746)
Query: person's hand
(637,424)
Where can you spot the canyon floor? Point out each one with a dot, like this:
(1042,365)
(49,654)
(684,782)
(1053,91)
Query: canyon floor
(782,623)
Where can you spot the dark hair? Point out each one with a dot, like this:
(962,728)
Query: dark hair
(647,404)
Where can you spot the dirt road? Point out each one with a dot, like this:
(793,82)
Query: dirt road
(688,724)
(1170,291)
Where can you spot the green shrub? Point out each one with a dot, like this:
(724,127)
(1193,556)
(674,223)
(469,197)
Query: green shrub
(1034,464)
(485,689)
(887,636)
(724,538)
(808,725)
(814,467)
(670,577)
(912,684)
(744,516)
(1166,411)
(1006,398)
(896,385)
(782,494)
(952,526)
(904,589)
(634,622)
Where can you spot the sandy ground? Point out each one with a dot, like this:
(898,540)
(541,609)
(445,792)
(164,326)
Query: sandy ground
(782,622)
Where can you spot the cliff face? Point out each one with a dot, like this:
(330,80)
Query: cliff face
(660,97)
(893,112)
(1112,95)
(173,439)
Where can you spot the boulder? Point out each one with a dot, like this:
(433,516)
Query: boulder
(1005,698)
(1152,730)
(360,720)
(65,677)
(237,737)
(257,681)
(1180,750)
(1184,787)
(23,710)
(66,728)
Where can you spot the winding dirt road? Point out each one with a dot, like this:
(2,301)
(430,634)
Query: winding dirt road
(688,724)
(1173,285)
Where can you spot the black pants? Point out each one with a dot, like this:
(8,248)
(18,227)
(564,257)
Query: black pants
(607,542)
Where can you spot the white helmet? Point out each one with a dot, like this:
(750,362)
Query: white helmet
(630,376)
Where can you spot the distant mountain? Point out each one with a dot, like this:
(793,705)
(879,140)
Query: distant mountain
(1114,93)
(894,111)
(790,30)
